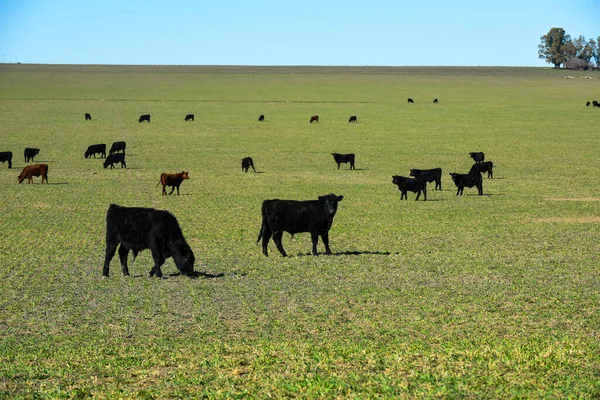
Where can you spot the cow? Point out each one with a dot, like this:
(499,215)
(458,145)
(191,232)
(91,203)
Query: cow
(96,149)
(88,117)
(314,118)
(293,216)
(415,185)
(352,119)
(29,153)
(587,104)
(115,158)
(34,170)
(261,118)
(435,101)
(144,118)
(410,101)
(116,147)
(595,103)
(467,180)
(6,156)
(189,117)
(485,166)
(173,180)
(477,156)
(247,163)
(137,229)
(344,158)
(429,175)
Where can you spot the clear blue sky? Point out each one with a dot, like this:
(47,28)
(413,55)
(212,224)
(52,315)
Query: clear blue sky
(280,32)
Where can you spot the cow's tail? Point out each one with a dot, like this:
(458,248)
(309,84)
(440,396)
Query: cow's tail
(263,225)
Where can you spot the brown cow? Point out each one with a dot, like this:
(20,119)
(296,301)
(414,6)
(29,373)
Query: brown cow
(34,170)
(173,180)
(314,118)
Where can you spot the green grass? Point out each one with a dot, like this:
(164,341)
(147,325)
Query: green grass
(493,296)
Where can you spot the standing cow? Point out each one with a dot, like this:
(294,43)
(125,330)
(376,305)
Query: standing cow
(314,118)
(477,156)
(189,117)
(88,117)
(34,170)
(485,166)
(247,163)
(410,101)
(467,180)
(173,180)
(343,159)
(29,153)
(6,156)
(352,119)
(116,147)
(94,149)
(429,175)
(406,184)
(144,118)
(113,159)
(261,118)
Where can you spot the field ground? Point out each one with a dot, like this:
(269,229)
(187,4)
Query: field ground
(490,296)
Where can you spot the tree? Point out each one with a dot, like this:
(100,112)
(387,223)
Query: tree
(553,47)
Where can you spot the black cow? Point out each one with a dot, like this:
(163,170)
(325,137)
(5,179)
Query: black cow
(292,216)
(429,175)
(95,149)
(247,163)
(595,103)
(116,147)
(415,185)
(189,117)
(261,118)
(477,156)
(137,229)
(486,166)
(88,117)
(410,101)
(344,158)
(145,117)
(314,118)
(6,156)
(587,104)
(435,101)
(115,158)
(467,180)
(352,119)
(29,153)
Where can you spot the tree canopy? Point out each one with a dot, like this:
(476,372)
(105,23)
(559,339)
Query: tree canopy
(557,48)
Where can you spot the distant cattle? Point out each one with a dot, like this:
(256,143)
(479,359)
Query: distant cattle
(352,119)
(34,170)
(173,180)
(486,166)
(137,229)
(410,101)
(595,103)
(144,118)
(189,117)
(343,159)
(29,153)
(467,180)
(261,118)
(435,101)
(406,184)
(477,156)
(314,118)
(96,149)
(247,163)
(429,175)
(292,216)
(6,156)
(587,104)
(116,147)
(115,158)
(88,117)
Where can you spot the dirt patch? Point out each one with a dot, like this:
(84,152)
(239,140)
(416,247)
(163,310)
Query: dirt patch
(574,198)
(579,220)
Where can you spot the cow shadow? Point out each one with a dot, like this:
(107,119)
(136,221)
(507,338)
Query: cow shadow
(198,274)
(58,183)
(351,253)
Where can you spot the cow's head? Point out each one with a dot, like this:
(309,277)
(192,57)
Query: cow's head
(453,175)
(330,203)
(184,175)
(106,163)
(397,179)
(184,259)
(413,172)
(21,177)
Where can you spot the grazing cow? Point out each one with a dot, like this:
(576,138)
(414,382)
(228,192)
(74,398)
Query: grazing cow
(595,103)
(189,117)
(587,104)
(435,101)
(314,118)
(429,175)
(486,166)
(34,170)
(344,158)
(145,117)
(477,156)
(247,163)
(115,158)
(415,185)
(410,101)
(95,149)
(6,156)
(116,147)
(137,229)
(352,119)
(29,153)
(173,180)
(88,117)
(261,118)
(468,180)
(292,216)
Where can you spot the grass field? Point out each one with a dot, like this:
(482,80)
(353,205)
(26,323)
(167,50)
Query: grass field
(492,296)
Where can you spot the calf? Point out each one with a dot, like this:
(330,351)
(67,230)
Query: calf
(34,170)
(173,180)
(477,156)
(6,156)
(486,166)
(314,118)
(144,118)
(292,216)
(410,101)
(261,118)
(137,229)
(352,119)
(116,147)
(88,117)
(415,185)
(429,175)
(189,117)
(467,180)
(115,158)
(96,149)
(29,153)
(344,158)
(247,163)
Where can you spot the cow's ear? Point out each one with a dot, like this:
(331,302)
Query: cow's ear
(340,198)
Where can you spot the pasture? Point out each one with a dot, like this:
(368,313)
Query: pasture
(457,296)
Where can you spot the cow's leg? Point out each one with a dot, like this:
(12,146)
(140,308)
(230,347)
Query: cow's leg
(425,193)
(404,195)
(172,189)
(177,190)
(253,169)
(164,192)
(277,239)
(352,165)
(418,195)
(158,261)
(111,247)
(480,189)
(315,240)
(123,253)
(325,237)
(338,165)
(265,238)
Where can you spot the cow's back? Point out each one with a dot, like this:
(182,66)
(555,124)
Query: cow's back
(293,216)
